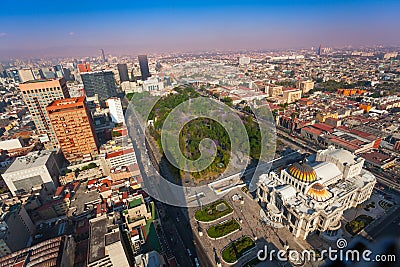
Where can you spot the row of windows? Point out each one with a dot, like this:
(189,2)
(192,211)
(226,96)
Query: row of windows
(40,90)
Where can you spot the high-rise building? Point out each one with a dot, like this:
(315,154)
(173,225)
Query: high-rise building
(102,55)
(47,73)
(319,51)
(26,75)
(100,83)
(35,170)
(116,112)
(67,75)
(37,95)
(14,74)
(123,72)
(84,67)
(2,71)
(58,71)
(144,67)
(73,125)
(16,228)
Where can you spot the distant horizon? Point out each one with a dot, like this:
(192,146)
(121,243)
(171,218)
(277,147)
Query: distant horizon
(81,28)
(94,52)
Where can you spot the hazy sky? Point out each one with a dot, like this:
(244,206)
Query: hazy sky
(56,28)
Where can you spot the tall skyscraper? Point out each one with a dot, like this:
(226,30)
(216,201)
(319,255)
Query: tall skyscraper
(73,126)
(319,51)
(68,75)
(101,83)
(58,71)
(123,72)
(116,112)
(102,55)
(37,95)
(144,67)
(47,73)
(2,71)
(14,74)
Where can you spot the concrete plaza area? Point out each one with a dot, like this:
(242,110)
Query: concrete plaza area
(247,213)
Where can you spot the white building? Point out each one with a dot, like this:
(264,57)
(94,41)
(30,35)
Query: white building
(26,75)
(116,112)
(11,144)
(131,87)
(34,170)
(153,84)
(390,55)
(118,152)
(121,158)
(310,197)
(244,60)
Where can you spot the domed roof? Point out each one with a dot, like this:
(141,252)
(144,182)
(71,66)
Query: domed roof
(302,172)
(318,192)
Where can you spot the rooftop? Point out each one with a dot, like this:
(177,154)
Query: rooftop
(98,229)
(41,80)
(135,202)
(66,103)
(32,160)
(119,153)
(46,253)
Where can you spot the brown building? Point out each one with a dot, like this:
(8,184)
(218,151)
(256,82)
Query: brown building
(305,86)
(37,95)
(58,251)
(73,125)
(291,95)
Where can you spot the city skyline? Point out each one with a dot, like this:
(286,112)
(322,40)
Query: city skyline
(200,133)
(134,28)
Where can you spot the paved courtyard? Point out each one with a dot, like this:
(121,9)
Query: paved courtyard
(248,214)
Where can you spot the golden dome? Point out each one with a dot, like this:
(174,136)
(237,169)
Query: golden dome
(318,192)
(302,172)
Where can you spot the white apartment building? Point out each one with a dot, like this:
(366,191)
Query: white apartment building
(116,112)
(34,170)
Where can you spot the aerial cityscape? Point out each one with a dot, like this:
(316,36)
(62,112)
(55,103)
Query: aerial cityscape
(204,133)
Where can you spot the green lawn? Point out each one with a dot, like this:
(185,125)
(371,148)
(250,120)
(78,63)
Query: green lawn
(223,229)
(213,211)
(359,223)
(129,96)
(236,249)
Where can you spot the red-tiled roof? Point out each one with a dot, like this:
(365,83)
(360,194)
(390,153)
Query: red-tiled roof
(323,127)
(312,130)
(344,143)
(119,153)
